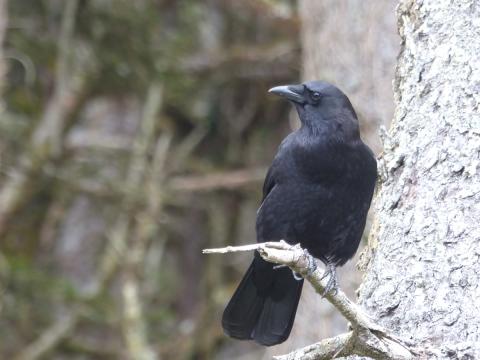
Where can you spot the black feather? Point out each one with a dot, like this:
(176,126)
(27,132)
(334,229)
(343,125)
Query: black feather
(264,305)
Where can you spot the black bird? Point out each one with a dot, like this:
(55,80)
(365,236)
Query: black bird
(317,193)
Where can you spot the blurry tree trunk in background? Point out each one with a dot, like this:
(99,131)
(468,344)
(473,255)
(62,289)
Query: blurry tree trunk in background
(352,44)
(3,27)
(134,239)
(3,70)
(422,279)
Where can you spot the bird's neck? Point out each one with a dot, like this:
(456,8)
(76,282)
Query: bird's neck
(332,130)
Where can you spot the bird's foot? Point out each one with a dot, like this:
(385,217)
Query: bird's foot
(312,264)
(297,276)
(311,267)
(332,283)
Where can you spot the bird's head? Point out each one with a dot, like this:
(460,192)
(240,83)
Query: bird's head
(320,104)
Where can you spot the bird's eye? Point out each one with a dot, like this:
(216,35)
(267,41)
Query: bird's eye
(316,96)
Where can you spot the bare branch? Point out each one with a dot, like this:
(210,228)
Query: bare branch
(366,338)
(48,135)
(324,350)
(231,180)
(134,327)
(50,337)
(226,180)
(272,62)
(231,249)
(139,226)
(185,148)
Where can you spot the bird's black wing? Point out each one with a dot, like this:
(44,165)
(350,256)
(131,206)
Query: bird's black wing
(269,183)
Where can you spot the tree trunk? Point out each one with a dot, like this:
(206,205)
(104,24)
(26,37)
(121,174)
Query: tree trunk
(423,257)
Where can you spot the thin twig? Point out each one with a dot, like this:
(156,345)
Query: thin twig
(232,249)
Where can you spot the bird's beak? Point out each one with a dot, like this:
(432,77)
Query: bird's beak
(291,92)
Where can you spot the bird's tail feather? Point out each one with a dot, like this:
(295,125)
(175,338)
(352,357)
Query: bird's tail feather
(264,305)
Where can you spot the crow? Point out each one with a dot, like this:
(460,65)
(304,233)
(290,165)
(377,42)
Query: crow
(317,192)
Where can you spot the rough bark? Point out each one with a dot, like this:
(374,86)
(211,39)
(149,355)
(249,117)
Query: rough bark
(422,266)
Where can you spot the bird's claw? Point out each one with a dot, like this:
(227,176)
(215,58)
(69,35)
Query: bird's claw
(297,276)
(332,283)
(312,265)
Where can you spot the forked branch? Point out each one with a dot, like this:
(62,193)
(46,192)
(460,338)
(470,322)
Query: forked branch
(366,338)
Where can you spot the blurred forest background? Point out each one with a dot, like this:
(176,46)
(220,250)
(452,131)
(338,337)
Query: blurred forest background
(135,133)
